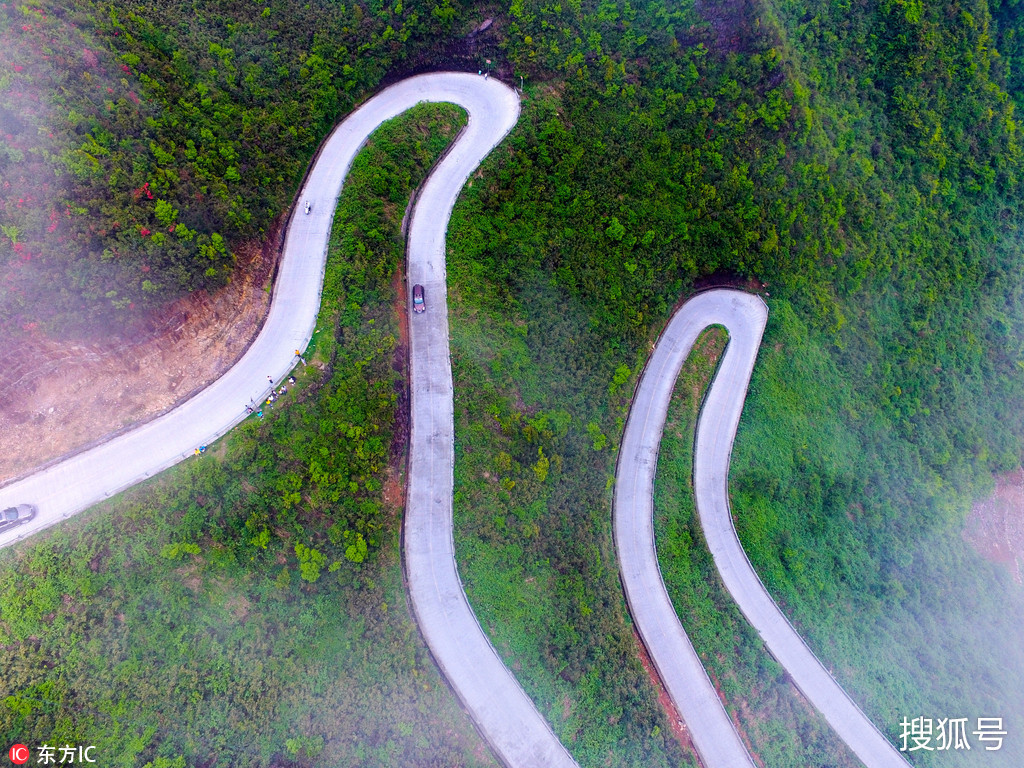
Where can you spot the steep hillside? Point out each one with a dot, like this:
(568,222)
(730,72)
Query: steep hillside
(859,163)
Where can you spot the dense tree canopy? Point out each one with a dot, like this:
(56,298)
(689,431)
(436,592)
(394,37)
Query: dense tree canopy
(140,144)
(859,163)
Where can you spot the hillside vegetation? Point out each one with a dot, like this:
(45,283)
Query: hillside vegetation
(141,143)
(248,608)
(859,162)
(862,162)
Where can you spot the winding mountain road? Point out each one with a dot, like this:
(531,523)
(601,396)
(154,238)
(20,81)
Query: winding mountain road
(496,702)
(500,707)
(87,478)
(505,715)
(711,729)
(744,316)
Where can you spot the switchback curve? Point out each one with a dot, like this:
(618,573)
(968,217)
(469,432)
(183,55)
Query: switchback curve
(496,702)
(744,317)
(498,705)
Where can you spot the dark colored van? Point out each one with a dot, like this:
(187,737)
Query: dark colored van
(417,299)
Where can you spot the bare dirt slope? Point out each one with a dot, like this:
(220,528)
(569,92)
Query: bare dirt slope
(59,396)
(995,526)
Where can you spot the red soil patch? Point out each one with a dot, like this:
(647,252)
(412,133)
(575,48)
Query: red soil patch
(394,483)
(742,704)
(398,283)
(679,730)
(995,526)
(62,396)
(394,490)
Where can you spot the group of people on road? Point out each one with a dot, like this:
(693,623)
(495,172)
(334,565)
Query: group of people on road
(275,392)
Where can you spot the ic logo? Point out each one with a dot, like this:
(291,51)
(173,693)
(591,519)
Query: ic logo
(19,754)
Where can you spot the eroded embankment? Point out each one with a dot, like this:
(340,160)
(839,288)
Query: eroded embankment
(59,395)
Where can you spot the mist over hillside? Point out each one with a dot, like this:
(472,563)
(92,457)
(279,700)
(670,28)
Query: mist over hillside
(859,164)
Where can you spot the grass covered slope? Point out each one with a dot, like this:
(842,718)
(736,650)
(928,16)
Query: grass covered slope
(867,556)
(862,159)
(247,608)
(531,533)
(781,728)
(936,632)
(674,145)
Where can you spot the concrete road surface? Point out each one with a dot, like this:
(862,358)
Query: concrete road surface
(505,714)
(744,316)
(502,711)
(710,726)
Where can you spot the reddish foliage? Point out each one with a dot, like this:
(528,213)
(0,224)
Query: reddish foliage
(143,190)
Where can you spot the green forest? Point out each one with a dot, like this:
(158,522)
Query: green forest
(857,163)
